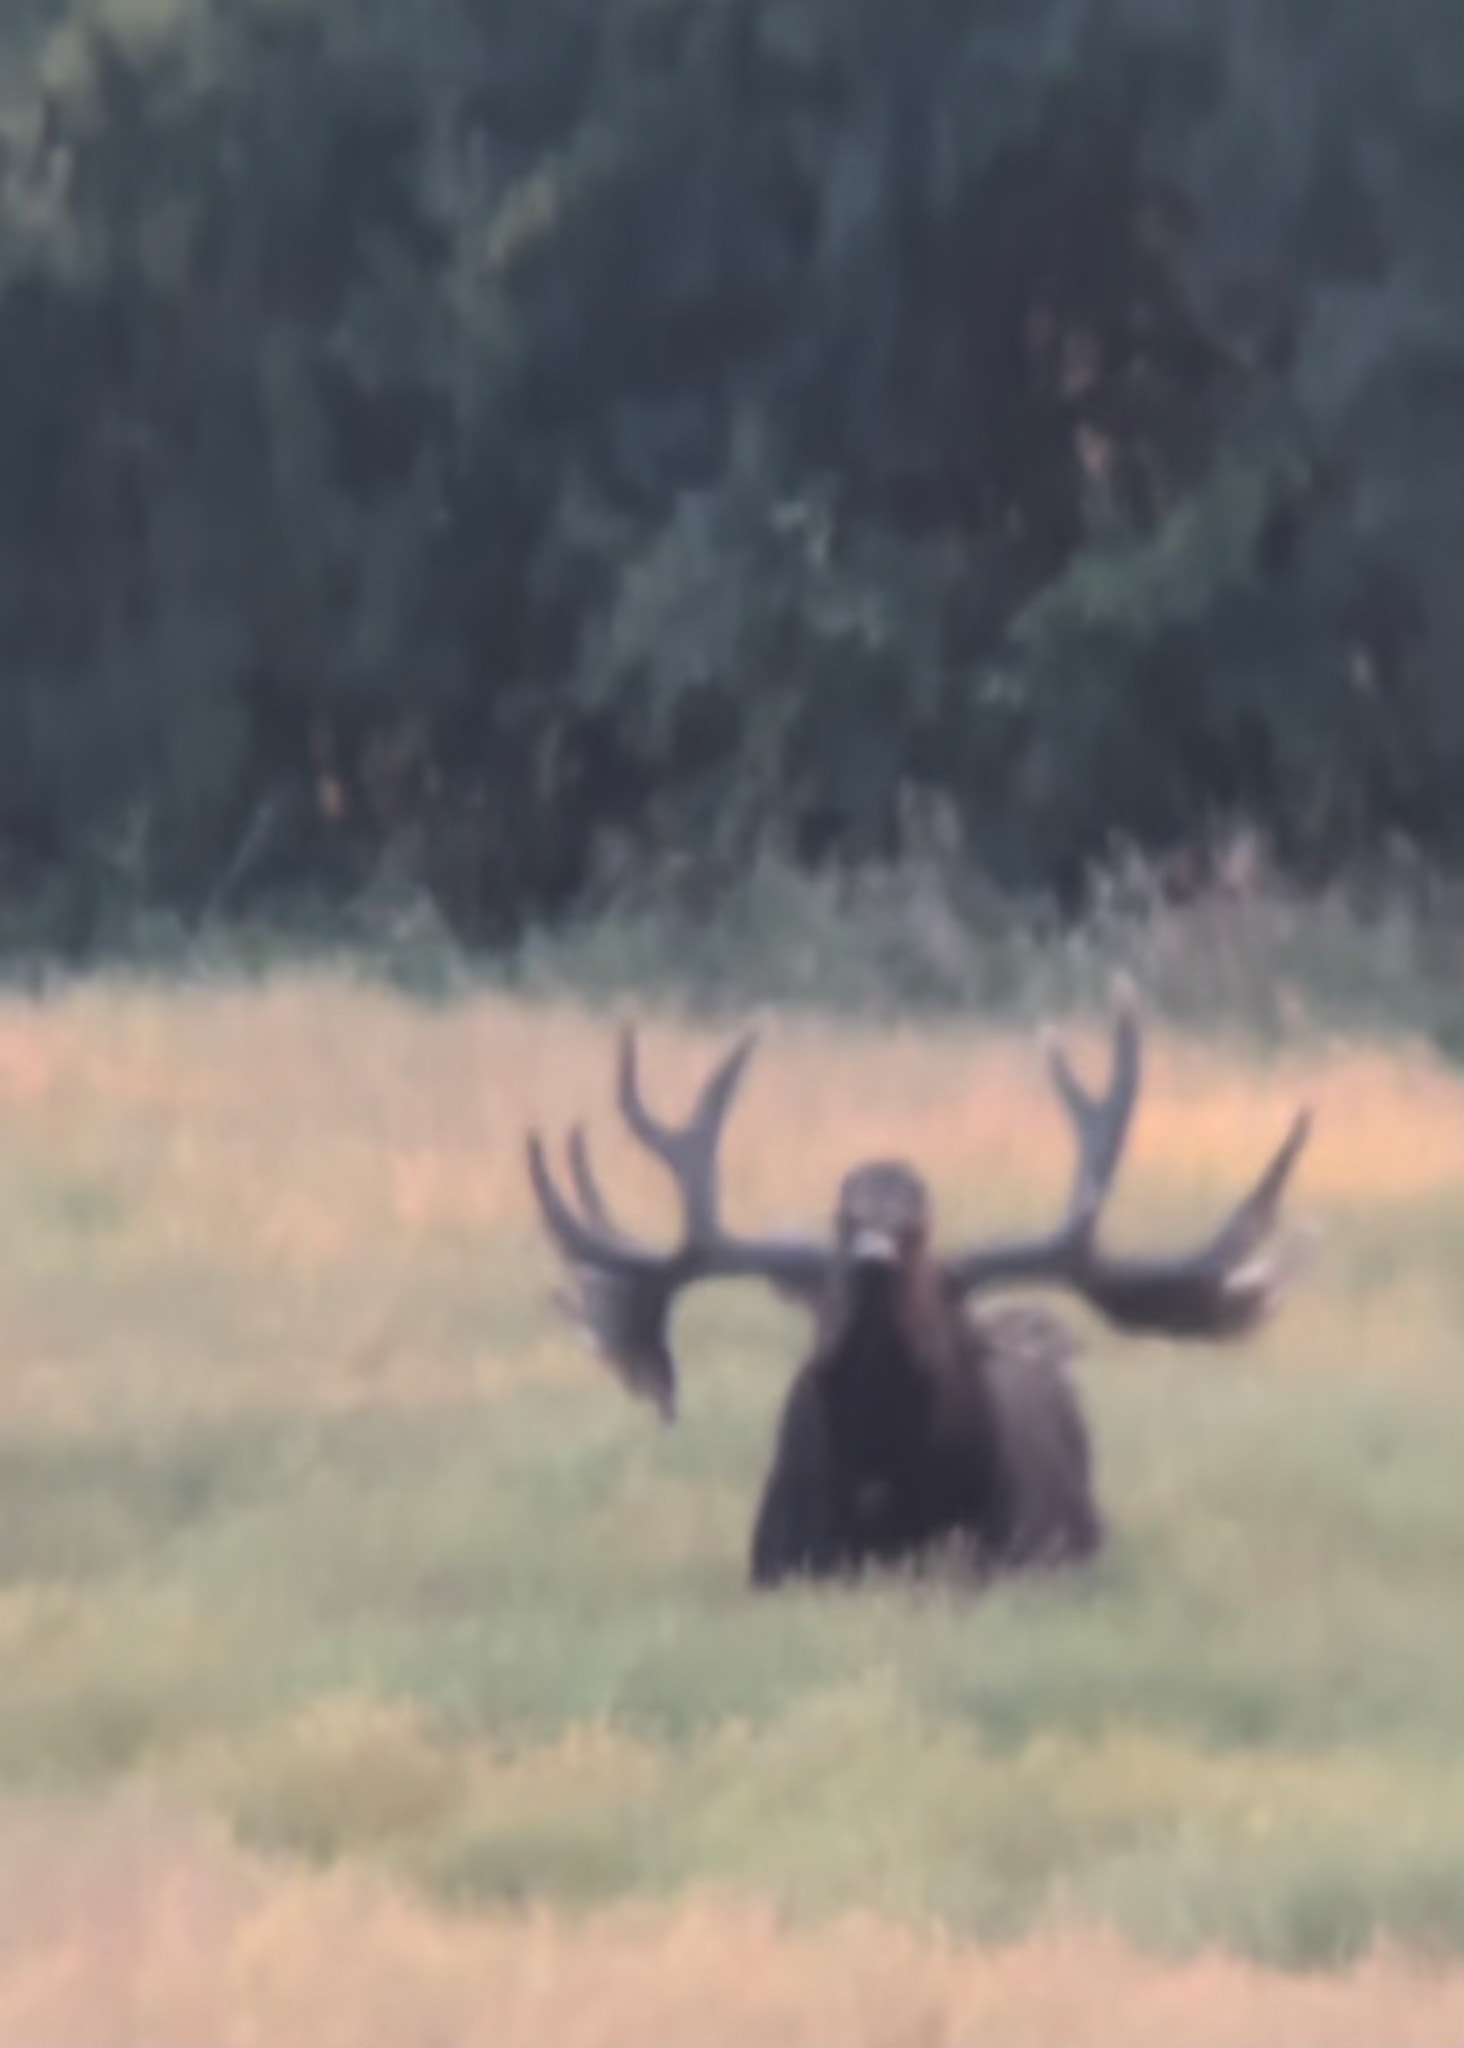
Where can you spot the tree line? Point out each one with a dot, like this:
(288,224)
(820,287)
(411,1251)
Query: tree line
(551,442)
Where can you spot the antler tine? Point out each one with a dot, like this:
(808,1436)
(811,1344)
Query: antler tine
(587,1186)
(1101,1122)
(1220,1288)
(570,1231)
(622,1291)
(1252,1220)
(691,1151)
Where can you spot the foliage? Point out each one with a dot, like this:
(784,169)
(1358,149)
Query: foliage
(538,441)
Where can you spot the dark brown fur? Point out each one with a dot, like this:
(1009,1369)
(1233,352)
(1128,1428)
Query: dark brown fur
(915,1424)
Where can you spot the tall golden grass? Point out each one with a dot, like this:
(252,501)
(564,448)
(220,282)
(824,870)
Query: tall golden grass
(141,1930)
(300,1086)
(312,1128)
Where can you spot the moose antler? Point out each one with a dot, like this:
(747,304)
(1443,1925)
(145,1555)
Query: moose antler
(1223,1288)
(624,1290)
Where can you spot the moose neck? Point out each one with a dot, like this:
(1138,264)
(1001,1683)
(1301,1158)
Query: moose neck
(876,1380)
(873,1336)
(876,1288)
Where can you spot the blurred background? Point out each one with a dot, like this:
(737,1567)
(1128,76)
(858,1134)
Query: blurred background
(905,483)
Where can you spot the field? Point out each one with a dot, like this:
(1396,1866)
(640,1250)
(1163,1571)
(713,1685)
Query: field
(374,1670)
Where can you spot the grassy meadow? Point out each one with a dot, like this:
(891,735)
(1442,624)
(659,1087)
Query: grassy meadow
(373,1669)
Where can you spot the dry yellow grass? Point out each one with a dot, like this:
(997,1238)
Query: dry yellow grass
(311,1127)
(242,1225)
(135,1929)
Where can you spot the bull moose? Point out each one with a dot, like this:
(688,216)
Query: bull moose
(922,1416)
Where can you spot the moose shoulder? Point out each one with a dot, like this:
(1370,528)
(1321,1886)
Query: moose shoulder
(923,1412)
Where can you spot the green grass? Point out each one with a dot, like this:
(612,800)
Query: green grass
(386,1634)
(352,1548)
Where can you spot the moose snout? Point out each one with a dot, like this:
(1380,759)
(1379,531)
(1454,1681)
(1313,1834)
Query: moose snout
(870,1246)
